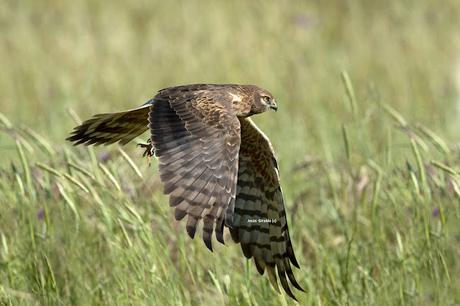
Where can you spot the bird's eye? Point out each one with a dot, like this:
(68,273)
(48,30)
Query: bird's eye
(266,98)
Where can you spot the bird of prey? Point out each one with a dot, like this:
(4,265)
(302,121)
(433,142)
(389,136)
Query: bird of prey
(216,165)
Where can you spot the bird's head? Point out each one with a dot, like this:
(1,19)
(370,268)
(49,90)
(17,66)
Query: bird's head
(263,101)
(257,100)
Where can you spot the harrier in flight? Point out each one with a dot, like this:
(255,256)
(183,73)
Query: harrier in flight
(216,166)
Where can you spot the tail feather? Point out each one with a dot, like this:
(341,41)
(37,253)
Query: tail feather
(109,128)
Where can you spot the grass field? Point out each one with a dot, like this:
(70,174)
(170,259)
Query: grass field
(366,136)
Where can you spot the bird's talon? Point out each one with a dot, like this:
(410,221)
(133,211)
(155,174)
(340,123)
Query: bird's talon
(148,150)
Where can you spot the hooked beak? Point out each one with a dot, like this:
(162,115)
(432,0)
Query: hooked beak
(273,105)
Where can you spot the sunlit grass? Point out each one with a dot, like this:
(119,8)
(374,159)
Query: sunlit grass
(365,135)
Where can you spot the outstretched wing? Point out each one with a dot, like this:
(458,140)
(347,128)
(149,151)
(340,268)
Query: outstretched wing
(196,138)
(259,218)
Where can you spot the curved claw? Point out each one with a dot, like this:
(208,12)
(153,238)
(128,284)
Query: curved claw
(149,151)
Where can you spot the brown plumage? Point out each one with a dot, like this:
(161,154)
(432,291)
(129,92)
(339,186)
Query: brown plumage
(216,166)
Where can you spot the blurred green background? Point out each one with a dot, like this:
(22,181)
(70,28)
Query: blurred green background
(402,61)
(96,56)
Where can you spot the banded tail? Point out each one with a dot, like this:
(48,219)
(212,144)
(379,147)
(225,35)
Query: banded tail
(109,128)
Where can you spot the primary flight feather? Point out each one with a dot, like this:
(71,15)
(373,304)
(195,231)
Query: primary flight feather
(216,166)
